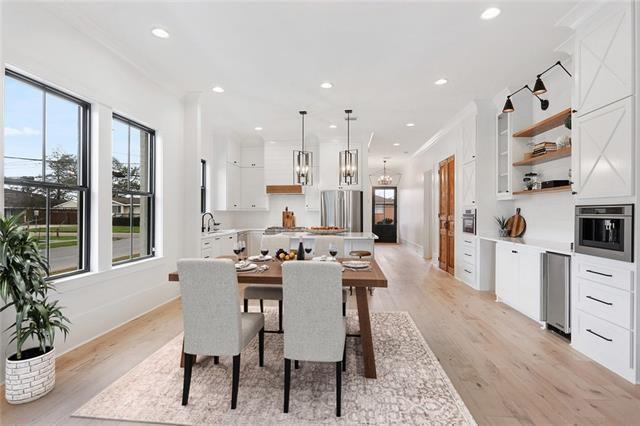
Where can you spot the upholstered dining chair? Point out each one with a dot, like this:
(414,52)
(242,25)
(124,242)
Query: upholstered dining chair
(213,323)
(268,292)
(314,329)
(321,247)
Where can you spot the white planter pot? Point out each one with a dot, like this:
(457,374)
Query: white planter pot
(29,379)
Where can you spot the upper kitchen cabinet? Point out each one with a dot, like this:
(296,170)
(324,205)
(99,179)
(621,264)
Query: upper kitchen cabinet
(509,150)
(604,58)
(604,147)
(468,135)
(469,184)
(252,157)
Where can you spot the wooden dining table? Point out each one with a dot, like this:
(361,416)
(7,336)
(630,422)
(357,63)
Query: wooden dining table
(358,279)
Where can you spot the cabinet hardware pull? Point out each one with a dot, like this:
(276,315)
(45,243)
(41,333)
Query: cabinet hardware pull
(601,301)
(599,273)
(467,241)
(514,251)
(599,335)
(467,254)
(467,271)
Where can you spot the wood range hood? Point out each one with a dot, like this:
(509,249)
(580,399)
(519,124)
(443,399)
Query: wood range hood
(285,189)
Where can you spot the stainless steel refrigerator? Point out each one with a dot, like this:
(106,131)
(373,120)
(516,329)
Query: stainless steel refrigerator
(342,209)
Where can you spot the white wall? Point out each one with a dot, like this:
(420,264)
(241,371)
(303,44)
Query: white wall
(43,46)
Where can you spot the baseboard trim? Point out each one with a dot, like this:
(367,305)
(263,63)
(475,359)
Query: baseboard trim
(413,246)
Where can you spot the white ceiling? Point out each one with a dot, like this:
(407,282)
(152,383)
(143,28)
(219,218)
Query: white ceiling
(382,57)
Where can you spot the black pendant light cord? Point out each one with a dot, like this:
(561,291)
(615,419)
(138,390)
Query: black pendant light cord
(348,111)
(303,113)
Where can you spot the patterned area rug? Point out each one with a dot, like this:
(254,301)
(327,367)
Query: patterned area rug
(411,388)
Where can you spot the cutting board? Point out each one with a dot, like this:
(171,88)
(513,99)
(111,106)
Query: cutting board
(516,225)
(288,219)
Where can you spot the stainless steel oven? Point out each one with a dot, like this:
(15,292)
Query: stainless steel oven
(469,221)
(605,231)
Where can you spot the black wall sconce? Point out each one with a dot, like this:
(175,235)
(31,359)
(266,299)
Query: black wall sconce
(538,89)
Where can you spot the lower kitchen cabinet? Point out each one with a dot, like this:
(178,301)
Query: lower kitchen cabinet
(214,246)
(519,278)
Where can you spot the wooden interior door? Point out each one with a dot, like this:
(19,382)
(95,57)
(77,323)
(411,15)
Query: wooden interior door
(446,215)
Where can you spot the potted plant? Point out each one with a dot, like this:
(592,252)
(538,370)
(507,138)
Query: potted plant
(502,222)
(30,372)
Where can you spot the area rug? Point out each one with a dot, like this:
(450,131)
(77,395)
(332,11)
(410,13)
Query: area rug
(411,388)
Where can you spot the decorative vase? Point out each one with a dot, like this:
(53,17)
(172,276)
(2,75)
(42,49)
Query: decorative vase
(29,378)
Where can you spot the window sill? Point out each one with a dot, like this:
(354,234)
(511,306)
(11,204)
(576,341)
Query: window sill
(76,282)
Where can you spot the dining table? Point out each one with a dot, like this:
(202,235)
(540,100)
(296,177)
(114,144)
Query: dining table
(360,280)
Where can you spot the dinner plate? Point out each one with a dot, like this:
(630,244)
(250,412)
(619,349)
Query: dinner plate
(260,258)
(324,259)
(356,264)
(244,267)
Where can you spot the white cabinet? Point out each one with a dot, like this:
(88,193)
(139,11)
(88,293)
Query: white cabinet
(604,57)
(468,136)
(253,191)
(233,187)
(519,278)
(469,184)
(234,153)
(214,246)
(604,149)
(226,244)
(252,156)
(509,150)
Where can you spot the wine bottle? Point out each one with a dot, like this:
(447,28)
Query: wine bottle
(300,254)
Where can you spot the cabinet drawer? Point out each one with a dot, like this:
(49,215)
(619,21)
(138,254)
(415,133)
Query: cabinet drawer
(469,241)
(609,275)
(467,273)
(207,253)
(205,244)
(608,303)
(469,254)
(606,343)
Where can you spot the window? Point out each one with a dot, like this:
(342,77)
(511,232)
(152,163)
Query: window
(46,158)
(203,186)
(384,206)
(132,206)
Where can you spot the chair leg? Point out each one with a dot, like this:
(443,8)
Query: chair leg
(246,305)
(371,291)
(188,365)
(296,364)
(261,305)
(235,381)
(344,309)
(287,383)
(344,356)
(261,347)
(216,359)
(338,388)
(279,316)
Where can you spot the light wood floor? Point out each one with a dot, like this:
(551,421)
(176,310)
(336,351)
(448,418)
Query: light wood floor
(507,370)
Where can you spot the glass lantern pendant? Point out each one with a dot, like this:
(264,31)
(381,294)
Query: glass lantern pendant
(303,162)
(348,158)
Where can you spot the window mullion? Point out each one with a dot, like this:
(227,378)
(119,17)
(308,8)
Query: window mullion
(44,135)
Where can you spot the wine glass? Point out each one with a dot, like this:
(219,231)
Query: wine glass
(243,247)
(307,250)
(237,249)
(264,251)
(333,251)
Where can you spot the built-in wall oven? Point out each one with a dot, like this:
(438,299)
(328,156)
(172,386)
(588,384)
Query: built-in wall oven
(605,231)
(469,221)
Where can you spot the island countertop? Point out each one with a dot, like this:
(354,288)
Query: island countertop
(303,234)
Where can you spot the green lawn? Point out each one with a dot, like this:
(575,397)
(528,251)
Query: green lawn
(57,242)
(73,229)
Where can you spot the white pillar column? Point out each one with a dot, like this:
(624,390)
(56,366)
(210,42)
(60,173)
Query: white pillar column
(192,155)
(101,135)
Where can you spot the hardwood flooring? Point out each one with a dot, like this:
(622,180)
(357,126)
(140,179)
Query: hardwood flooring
(507,369)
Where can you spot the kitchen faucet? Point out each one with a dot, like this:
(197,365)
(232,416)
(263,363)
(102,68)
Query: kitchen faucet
(208,222)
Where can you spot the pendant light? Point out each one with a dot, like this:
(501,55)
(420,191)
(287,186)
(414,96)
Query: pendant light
(348,158)
(385,179)
(303,162)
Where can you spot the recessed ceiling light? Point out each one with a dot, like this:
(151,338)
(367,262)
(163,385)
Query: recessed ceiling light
(326,85)
(160,33)
(272,142)
(410,124)
(396,144)
(218,89)
(440,82)
(332,126)
(258,128)
(490,13)
(405,152)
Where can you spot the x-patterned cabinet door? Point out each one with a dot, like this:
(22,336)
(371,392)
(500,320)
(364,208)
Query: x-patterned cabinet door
(604,58)
(604,147)
(469,184)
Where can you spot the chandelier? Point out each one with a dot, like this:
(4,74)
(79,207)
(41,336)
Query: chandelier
(384,178)
(348,159)
(303,162)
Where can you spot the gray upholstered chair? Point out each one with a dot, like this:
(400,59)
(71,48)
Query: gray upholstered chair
(321,247)
(213,323)
(268,292)
(314,329)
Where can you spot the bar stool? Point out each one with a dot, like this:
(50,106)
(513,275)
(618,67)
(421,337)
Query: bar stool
(360,254)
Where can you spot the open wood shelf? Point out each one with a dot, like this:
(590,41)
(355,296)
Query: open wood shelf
(545,125)
(284,189)
(538,191)
(550,156)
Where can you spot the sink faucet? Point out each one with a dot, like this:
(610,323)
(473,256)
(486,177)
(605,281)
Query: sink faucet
(208,227)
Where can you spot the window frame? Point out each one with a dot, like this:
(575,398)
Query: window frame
(151,193)
(203,185)
(83,187)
